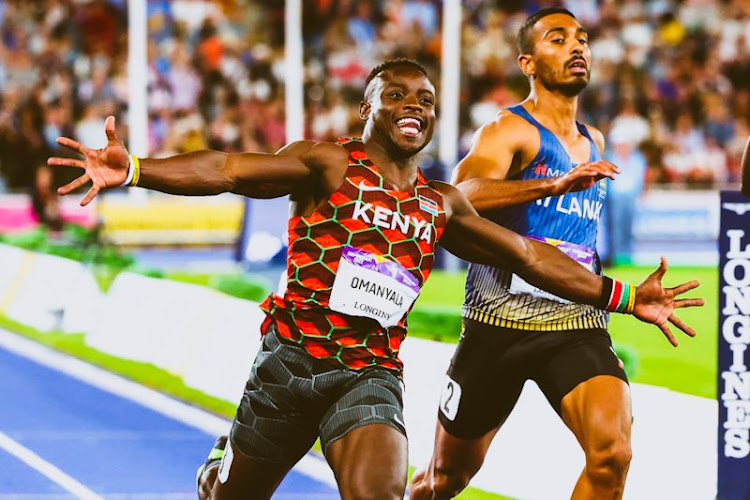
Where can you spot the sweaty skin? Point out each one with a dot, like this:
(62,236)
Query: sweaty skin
(310,172)
(598,411)
(504,146)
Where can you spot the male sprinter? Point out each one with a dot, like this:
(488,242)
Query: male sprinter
(536,171)
(362,234)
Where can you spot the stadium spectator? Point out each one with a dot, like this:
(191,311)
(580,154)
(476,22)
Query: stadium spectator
(668,72)
(623,194)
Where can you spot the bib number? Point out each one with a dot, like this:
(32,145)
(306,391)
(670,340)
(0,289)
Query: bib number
(450,397)
(372,286)
(585,256)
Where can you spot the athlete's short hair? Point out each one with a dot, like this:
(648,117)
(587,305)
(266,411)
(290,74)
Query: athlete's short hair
(524,42)
(394,63)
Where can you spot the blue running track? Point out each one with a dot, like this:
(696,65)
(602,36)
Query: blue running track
(111,445)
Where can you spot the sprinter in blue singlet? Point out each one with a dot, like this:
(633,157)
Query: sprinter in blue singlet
(539,172)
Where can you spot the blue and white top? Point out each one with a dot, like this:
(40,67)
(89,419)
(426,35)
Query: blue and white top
(569,221)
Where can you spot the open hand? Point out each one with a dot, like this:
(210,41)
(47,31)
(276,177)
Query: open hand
(585,176)
(655,304)
(105,167)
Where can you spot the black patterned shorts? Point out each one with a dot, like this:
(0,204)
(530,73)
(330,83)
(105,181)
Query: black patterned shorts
(492,363)
(292,398)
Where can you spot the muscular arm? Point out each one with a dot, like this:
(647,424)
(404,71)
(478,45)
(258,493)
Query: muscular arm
(256,175)
(300,165)
(481,175)
(746,169)
(476,239)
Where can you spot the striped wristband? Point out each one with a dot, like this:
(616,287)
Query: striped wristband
(134,171)
(617,296)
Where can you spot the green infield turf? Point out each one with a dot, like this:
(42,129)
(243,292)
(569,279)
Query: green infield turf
(689,368)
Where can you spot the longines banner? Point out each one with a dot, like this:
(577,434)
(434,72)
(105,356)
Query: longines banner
(734,336)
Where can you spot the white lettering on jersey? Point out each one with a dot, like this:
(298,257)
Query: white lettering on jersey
(388,219)
(571,205)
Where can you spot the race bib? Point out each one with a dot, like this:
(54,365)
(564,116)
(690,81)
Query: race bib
(579,253)
(372,286)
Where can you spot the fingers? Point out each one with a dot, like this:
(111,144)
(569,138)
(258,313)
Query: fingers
(601,166)
(662,270)
(109,128)
(90,195)
(66,162)
(74,145)
(667,333)
(590,171)
(681,325)
(680,289)
(609,165)
(688,303)
(72,186)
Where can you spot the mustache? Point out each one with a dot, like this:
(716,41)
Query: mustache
(577,58)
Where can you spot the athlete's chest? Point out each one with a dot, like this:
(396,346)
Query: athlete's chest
(365,211)
(368,207)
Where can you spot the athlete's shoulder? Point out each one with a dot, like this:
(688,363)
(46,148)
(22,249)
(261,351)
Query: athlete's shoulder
(453,199)
(596,136)
(507,123)
(317,154)
(505,130)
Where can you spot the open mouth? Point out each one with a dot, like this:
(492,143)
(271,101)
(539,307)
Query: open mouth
(578,66)
(410,127)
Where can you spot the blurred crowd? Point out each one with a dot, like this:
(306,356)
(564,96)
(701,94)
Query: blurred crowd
(670,79)
(670,82)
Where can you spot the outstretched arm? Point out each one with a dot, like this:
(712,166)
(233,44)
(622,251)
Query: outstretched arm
(256,175)
(473,238)
(746,169)
(482,174)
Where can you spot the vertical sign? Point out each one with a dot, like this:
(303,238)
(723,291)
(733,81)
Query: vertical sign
(734,336)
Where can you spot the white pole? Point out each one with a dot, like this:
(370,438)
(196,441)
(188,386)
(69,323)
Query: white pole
(450,83)
(294,72)
(449,95)
(137,78)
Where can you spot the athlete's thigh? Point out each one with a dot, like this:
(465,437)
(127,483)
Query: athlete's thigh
(599,413)
(584,381)
(370,461)
(483,381)
(364,438)
(276,421)
(570,358)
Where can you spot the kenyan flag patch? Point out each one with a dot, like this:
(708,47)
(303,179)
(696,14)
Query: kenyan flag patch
(428,205)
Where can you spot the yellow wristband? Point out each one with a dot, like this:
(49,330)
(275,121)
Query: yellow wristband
(631,300)
(136,170)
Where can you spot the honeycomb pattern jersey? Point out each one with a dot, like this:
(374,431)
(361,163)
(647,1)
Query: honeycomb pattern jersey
(367,214)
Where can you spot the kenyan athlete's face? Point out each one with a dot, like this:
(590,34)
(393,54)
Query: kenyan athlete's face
(400,110)
(562,59)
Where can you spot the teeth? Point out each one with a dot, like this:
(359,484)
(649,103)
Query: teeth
(409,123)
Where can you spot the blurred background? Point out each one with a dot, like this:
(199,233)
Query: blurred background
(670,90)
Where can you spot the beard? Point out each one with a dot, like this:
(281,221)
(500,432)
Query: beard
(556,83)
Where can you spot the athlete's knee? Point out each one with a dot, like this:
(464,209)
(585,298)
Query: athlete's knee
(609,464)
(449,482)
(374,490)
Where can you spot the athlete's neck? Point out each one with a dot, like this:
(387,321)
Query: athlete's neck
(554,110)
(399,172)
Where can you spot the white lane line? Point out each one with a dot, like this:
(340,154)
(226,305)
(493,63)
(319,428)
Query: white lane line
(53,473)
(107,381)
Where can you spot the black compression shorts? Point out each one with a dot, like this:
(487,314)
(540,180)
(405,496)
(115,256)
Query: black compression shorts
(492,363)
(292,398)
